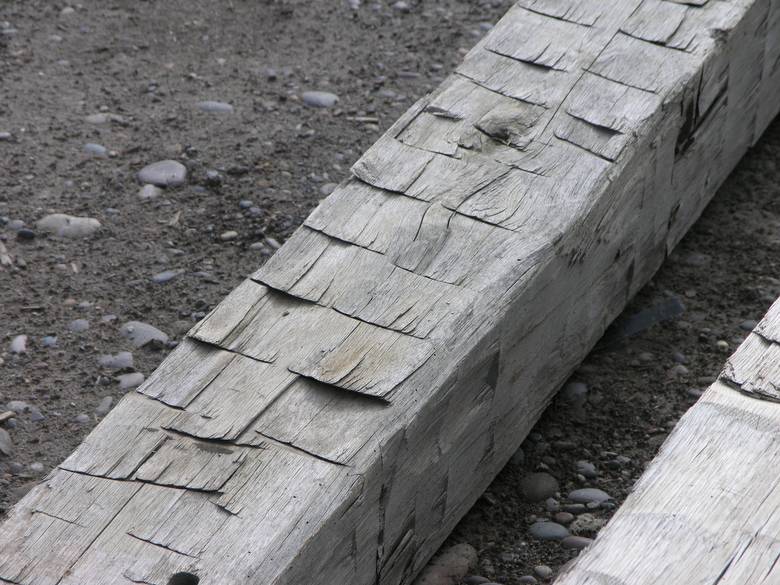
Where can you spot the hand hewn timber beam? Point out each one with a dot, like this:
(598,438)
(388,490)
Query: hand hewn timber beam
(335,416)
(707,510)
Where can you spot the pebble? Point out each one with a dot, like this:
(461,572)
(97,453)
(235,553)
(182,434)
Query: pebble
(450,566)
(140,333)
(49,341)
(401,6)
(6,444)
(319,99)
(97,150)
(148,192)
(538,486)
(119,361)
(586,469)
(5,136)
(722,345)
(548,531)
(246,204)
(575,392)
(575,542)
(36,415)
(748,325)
(215,107)
(475,580)
(128,381)
(518,458)
(552,505)
(166,276)
(37,468)
(104,406)
(587,495)
(165,173)
(228,235)
(587,524)
(328,188)
(527,580)
(68,226)
(17,406)
(82,419)
(564,517)
(104,118)
(18,344)
(25,234)
(78,325)
(543,571)
(678,371)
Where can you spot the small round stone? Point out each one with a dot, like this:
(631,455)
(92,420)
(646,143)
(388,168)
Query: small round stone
(82,419)
(548,531)
(96,150)
(78,325)
(212,107)
(537,487)
(587,495)
(166,173)
(228,235)
(319,99)
(575,542)
(543,571)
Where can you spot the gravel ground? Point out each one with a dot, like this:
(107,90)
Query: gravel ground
(129,78)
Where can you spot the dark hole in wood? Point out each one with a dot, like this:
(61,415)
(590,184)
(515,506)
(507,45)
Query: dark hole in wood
(184,579)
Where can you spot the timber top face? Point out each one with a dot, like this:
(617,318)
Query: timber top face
(333,418)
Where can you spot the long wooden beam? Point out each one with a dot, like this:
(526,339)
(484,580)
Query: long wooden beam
(334,417)
(707,510)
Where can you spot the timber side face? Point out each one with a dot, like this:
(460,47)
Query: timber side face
(707,508)
(335,416)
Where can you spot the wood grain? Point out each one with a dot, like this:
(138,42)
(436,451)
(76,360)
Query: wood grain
(334,417)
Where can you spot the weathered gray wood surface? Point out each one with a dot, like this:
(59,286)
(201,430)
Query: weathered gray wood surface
(335,416)
(707,510)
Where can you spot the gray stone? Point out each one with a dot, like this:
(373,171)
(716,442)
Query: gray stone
(518,458)
(37,468)
(17,406)
(475,580)
(748,325)
(166,276)
(6,444)
(548,531)
(128,381)
(228,235)
(586,469)
(575,542)
(574,392)
(148,192)
(68,226)
(36,415)
(245,204)
(104,118)
(49,341)
(527,580)
(319,99)
(587,495)
(449,566)
(140,333)
(586,524)
(82,419)
(215,107)
(5,136)
(97,150)
(78,325)
(543,571)
(18,344)
(166,173)
(538,486)
(104,406)
(119,361)
(564,518)
(328,188)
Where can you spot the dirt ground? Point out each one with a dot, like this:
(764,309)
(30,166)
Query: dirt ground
(257,171)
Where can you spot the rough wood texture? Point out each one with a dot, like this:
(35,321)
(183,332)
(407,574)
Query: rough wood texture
(335,416)
(706,510)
